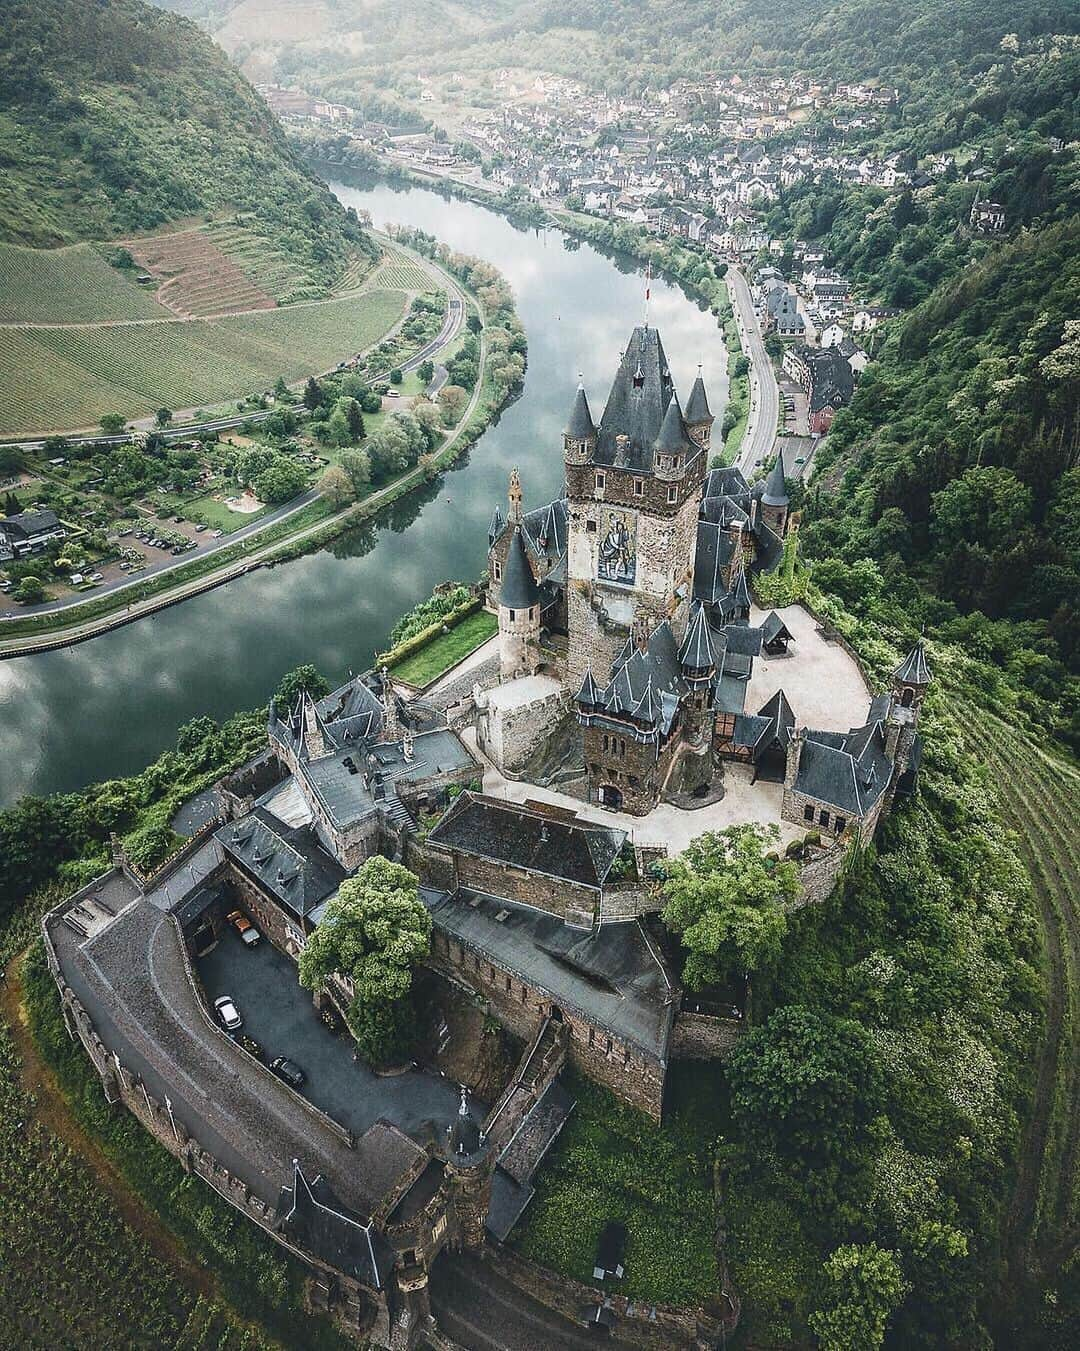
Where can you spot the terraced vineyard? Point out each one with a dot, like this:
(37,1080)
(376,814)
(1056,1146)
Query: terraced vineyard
(73,285)
(357,274)
(1040,797)
(401,273)
(198,278)
(265,266)
(62,378)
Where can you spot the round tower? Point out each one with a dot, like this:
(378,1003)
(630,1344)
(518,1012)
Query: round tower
(519,614)
(698,417)
(911,679)
(579,438)
(774,498)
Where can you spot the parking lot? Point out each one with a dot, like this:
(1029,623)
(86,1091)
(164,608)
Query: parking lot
(279,1014)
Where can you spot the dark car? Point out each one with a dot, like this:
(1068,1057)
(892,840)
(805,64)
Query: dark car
(288,1071)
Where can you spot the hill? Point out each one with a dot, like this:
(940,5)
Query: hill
(117,119)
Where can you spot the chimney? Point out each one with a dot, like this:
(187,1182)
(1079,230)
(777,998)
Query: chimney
(794,756)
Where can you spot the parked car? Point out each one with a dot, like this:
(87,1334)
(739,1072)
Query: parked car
(227,1012)
(288,1071)
(244,927)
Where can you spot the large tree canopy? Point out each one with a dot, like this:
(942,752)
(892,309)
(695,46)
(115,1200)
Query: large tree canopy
(725,900)
(862,1287)
(374,932)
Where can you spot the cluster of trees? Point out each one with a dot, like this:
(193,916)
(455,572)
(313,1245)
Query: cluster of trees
(271,476)
(958,456)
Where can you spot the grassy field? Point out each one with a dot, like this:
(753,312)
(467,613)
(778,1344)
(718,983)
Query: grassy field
(1040,796)
(69,377)
(424,666)
(73,285)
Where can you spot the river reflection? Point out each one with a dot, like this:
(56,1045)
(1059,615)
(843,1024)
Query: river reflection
(108,706)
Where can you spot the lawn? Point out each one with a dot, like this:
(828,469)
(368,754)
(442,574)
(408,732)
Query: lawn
(422,667)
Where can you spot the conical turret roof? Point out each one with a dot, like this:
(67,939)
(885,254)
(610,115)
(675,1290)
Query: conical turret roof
(775,494)
(672,438)
(589,695)
(581,426)
(697,407)
(519,590)
(913,670)
(696,652)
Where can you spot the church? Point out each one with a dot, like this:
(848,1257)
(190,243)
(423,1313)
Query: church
(632,588)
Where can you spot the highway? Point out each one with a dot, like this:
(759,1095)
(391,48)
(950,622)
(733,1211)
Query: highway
(760,431)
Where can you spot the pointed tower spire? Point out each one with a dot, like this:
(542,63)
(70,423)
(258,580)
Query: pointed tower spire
(513,515)
(579,438)
(775,494)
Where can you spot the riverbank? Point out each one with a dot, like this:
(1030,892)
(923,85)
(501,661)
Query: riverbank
(691,267)
(312,525)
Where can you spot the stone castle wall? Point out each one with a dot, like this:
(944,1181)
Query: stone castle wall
(698,1036)
(509,736)
(630,1074)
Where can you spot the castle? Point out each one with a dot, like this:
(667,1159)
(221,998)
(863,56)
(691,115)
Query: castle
(627,639)
(631,594)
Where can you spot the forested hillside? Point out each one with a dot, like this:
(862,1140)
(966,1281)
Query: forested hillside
(119,117)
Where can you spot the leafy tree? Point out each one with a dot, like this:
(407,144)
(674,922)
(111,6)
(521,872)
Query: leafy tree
(396,376)
(862,1286)
(150,845)
(426,372)
(112,423)
(725,900)
(357,464)
(313,394)
(195,733)
(986,506)
(307,678)
(164,417)
(473,323)
(13,459)
(12,505)
(282,480)
(252,460)
(336,486)
(30,590)
(452,401)
(375,931)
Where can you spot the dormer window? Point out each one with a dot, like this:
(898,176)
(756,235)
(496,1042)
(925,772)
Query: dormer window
(639,378)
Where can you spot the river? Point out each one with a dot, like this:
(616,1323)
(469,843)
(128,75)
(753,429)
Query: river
(106,707)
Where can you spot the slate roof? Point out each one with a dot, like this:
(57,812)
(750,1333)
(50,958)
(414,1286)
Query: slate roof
(697,406)
(743,640)
(518,590)
(315,1221)
(637,404)
(696,652)
(646,684)
(848,771)
(775,494)
(613,977)
(913,670)
(773,627)
(672,437)
(713,553)
(27,524)
(581,426)
(507,832)
(287,861)
(545,532)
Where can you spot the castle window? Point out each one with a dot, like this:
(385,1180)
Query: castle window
(908,696)
(601,479)
(605,741)
(808,812)
(839,824)
(590,527)
(672,493)
(639,487)
(823,819)
(509,984)
(622,749)
(497,571)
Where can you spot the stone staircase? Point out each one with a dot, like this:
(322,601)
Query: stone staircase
(536,1070)
(396,811)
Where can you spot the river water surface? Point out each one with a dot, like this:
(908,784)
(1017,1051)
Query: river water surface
(108,706)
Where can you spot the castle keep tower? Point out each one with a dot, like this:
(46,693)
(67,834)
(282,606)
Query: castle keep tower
(633,487)
(774,498)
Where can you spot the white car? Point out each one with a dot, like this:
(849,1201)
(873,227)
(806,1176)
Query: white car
(226,1010)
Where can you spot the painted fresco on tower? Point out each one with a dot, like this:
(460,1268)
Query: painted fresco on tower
(617,556)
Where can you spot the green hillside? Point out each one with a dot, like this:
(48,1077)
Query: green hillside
(118,118)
